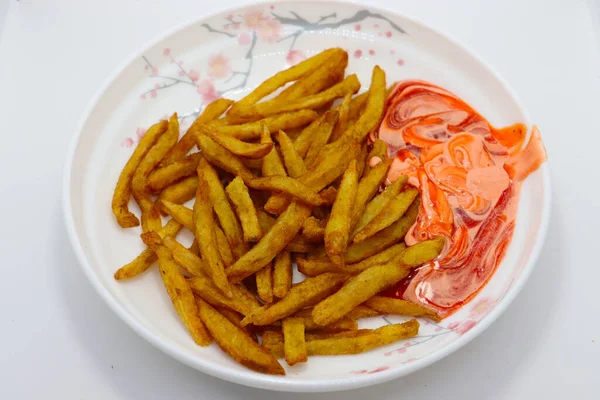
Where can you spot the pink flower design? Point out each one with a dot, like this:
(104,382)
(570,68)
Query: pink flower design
(244,39)
(180,62)
(194,75)
(235,26)
(154,71)
(295,56)
(376,370)
(207,90)
(388,34)
(400,62)
(143,96)
(357,27)
(254,18)
(375,25)
(480,308)
(372,52)
(127,142)
(153,94)
(181,73)
(409,360)
(140,132)
(167,51)
(146,67)
(465,327)
(453,325)
(392,51)
(269,30)
(357,53)
(219,66)
(438,329)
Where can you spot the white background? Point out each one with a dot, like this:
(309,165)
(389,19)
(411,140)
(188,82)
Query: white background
(59,340)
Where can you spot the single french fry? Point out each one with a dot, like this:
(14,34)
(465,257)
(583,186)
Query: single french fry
(224,248)
(282,274)
(357,105)
(186,143)
(341,325)
(330,73)
(205,233)
(374,207)
(294,164)
(185,258)
(342,123)
(388,305)
(147,257)
(253,130)
(338,226)
(357,290)
(319,176)
(360,161)
(367,187)
(390,213)
(313,229)
(181,214)
(179,291)
(384,239)
(281,78)
(310,336)
(294,342)
(276,106)
(206,289)
(239,196)
(235,318)
(377,154)
(221,157)
(178,193)
(271,164)
(163,177)
(328,195)
(373,111)
(300,295)
(237,343)
(377,259)
(225,214)
(320,127)
(321,139)
(122,193)
(317,267)
(286,227)
(264,283)
(299,245)
(362,311)
(150,214)
(236,146)
(289,186)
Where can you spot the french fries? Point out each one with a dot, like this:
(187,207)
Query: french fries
(178,289)
(120,201)
(312,192)
(338,226)
(237,343)
(294,342)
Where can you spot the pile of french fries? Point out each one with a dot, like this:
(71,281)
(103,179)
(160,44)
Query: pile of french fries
(275,182)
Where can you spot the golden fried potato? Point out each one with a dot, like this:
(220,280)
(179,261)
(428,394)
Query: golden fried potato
(147,257)
(150,214)
(294,342)
(357,105)
(236,146)
(185,144)
(178,289)
(350,84)
(367,187)
(286,227)
(299,245)
(321,138)
(289,186)
(373,111)
(282,274)
(360,161)
(317,267)
(341,325)
(185,258)
(120,200)
(271,164)
(387,305)
(178,193)
(205,233)
(342,123)
(225,214)
(296,72)
(374,207)
(300,295)
(235,342)
(377,154)
(376,259)
(321,127)
(239,196)
(235,318)
(362,311)
(181,214)
(165,176)
(264,283)
(390,213)
(219,156)
(338,226)
(313,229)
(206,289)
(224,248)
(294,164)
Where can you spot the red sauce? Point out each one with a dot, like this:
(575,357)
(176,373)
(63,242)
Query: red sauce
(469,175)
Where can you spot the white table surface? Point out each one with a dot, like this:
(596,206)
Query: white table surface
(58,340)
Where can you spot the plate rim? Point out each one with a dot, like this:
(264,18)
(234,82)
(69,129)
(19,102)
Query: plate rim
(251,378)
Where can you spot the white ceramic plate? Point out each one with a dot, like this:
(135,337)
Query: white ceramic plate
(228,54)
